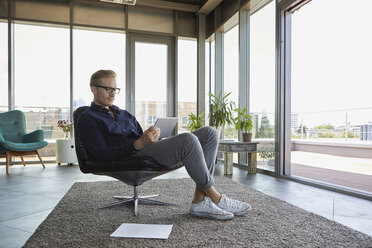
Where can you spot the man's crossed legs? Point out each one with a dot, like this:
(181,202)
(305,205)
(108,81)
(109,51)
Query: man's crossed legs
(197,151)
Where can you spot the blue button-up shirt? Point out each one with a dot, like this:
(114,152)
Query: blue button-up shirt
(105,137)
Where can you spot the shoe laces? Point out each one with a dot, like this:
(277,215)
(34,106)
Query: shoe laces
(232,203)
(210,204)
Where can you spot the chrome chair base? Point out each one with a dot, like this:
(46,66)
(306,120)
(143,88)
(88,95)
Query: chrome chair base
(136,199)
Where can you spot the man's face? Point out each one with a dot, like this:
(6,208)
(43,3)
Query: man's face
(101,95)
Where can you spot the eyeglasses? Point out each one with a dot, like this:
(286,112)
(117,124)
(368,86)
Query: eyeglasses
(109,90)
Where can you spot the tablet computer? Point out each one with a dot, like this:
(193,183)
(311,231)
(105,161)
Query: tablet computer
(166,125)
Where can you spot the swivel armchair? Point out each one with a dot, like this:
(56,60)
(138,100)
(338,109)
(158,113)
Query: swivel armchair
(133,170)
(14,141)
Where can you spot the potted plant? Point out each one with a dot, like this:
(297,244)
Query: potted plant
(221,110)
(65,148)
(194,122)
(243,122)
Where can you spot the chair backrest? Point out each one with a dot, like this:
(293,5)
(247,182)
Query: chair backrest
(81,152)
(13,126)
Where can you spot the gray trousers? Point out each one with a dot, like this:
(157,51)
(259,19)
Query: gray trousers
(197,151)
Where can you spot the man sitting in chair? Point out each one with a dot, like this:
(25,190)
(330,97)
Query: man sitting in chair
(110,133)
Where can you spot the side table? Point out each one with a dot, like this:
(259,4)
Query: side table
(65,151)
(228,147)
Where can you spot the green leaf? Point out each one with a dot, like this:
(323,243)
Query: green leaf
(195,122)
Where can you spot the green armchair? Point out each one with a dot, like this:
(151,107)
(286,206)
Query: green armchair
(14,141)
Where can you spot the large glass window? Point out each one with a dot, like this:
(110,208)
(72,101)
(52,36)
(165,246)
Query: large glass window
(331,119)
(213,64)
(42,82)
(93,51)
(151,67)
(231,74)
(3,66)
(262,83)
(207,80)
(187,81)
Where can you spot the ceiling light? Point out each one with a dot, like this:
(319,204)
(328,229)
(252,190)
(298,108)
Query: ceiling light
(126,2)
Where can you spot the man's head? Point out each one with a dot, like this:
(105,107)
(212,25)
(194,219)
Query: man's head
(104,88)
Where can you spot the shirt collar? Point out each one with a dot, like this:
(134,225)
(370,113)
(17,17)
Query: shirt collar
(99,108)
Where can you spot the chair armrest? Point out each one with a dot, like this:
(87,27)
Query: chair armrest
(35,136)
(1,138)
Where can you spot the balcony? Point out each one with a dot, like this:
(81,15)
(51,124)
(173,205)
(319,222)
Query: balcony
(346,163)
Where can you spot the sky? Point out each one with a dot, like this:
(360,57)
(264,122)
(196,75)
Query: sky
(43,65)
(332,60)
(45,51)
(262,61)
(231,62)
(331,76)
(94,51)
(151,71)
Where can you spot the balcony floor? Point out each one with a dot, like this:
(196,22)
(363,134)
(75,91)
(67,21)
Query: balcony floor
(344,171)
(339,170)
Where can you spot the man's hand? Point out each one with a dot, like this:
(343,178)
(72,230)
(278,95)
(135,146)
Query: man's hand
(151,135)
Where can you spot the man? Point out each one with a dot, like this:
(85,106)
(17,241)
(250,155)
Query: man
(110,133)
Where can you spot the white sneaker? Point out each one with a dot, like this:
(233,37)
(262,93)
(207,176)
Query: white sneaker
(236,207)
(208,209)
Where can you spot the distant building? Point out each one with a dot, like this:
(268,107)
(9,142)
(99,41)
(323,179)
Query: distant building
(366,132)
(294,121)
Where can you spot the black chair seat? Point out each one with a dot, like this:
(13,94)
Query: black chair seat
(132,163)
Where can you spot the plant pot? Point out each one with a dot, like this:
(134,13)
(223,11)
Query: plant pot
(247,137)
(219,130)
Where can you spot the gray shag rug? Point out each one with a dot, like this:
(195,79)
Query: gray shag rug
(272,223)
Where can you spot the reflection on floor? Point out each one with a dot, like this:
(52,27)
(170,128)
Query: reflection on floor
(28,194)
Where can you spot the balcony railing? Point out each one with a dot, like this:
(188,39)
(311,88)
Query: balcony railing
(348,124)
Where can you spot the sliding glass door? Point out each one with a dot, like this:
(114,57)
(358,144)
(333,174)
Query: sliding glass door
(151,93)
(262,83)
(329,122)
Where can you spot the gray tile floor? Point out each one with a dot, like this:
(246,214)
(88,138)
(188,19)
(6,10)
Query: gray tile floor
(28,194)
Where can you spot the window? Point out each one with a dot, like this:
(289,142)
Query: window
(93,51)
(151,67)
(207,80)
(42,82)
(151,120)
(213,64)
(262,83)
(330,97)
(187,79)
(3,66)
(184,121)
(231,74)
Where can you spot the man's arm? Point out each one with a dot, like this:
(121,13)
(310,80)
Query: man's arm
(93,139)
(149,136)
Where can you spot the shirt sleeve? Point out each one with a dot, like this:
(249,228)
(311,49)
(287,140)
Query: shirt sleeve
(93,139)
